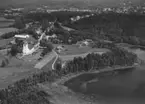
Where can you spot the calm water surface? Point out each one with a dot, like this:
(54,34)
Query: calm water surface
(122,88)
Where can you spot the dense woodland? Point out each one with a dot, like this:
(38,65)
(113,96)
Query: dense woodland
(61,16)
(115,27)
(25,91)
(47,47)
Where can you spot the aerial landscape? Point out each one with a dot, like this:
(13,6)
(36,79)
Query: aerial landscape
(72,52)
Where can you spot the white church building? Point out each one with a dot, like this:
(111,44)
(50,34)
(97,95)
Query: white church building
(28,45)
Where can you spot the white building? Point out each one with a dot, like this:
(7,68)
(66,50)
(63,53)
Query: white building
(53,36)
(86,42)
(22,36)
(38,31)
(60,48)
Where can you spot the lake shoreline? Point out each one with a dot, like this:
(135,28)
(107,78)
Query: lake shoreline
(107,69)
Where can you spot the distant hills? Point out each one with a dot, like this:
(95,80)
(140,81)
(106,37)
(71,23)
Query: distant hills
(62,3)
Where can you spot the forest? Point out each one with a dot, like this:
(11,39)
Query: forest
(115,27)
(61,16)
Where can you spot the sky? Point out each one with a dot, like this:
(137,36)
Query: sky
(91,2)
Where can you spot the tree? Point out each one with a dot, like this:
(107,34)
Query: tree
(47,47)
(45,25)
(19,23)
(14,50)
(3,64)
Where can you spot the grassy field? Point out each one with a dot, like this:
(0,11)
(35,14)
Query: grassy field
(75,49)
(7,30)
(4,19)
(71,57)
(16,70)
(4,42)
(5,22)
(12,74)
(48,66)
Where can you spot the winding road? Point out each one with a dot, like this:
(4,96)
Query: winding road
(57,56)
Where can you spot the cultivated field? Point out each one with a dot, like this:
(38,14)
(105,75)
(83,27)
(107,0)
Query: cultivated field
(5,22)
(7,30)
(4,42)
(45,60)
(71,57)
(4,19)
(76,50)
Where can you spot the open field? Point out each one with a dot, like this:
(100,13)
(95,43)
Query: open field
(76,50)
(16,70)
(15,74)
(5,22)
(71,57)
(7,30)
(4,19)
(48,66)
(4,42)
(45,60)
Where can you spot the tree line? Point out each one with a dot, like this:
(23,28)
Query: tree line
(127,28)
(96,61)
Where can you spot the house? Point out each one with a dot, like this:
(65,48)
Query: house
(63,65)
(51,37)
(28,25)
(60,48)
(86,42)
(38,31)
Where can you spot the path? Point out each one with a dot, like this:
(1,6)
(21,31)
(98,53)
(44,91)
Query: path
(53,65)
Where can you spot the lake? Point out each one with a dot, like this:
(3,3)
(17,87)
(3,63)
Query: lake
(125,87)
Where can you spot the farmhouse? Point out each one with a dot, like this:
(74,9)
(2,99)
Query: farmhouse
(86,42)
(60,48)
(51,37)
(38,31)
